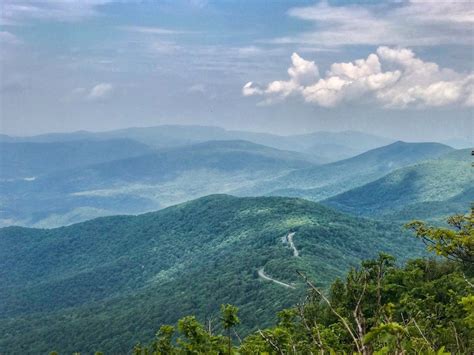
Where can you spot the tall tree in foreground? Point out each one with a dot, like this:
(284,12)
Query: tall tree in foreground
(229,321)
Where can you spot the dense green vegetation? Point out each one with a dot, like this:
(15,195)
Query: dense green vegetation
(320,182)
(108,283)
(424,307)
(431,189)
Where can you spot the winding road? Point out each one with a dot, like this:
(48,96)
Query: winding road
(264,276)
(296,254)
(289,238)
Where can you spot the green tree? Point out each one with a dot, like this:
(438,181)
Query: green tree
(455,243)
(229,320)
(198,340)
(164,340)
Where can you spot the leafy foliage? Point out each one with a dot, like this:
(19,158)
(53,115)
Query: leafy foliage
(456,243)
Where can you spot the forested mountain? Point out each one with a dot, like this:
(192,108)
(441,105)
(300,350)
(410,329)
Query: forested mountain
(431,189)
(108,283)
(317,183)
(143,183)
(324,146)
(29,160)
(163,177)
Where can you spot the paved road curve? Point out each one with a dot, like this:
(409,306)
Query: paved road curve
(264,276)
(289,237)
(261,272)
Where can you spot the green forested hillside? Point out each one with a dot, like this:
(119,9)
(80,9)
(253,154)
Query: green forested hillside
(107,283)
(143,183)
(317,183)
(431,189)
(423,307)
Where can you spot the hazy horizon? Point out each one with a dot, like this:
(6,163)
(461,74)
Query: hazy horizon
(310,66)
(445,140)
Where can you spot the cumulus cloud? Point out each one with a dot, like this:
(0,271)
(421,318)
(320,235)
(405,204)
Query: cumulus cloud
(391,77)
(302,72)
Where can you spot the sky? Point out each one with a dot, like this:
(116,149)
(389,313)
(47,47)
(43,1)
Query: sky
(400,69)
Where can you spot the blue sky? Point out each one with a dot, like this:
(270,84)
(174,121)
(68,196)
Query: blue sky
(401,68)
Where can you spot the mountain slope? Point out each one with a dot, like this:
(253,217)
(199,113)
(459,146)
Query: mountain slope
(114,276)
(143,183)
(27,160)
(329,146)
(327,180)
(342,144)
(431,189)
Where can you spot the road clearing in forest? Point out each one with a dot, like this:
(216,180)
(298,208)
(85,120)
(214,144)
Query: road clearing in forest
(264,276)
(296,254)
(289,238)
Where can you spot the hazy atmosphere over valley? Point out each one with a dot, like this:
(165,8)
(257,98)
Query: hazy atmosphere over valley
(236,177)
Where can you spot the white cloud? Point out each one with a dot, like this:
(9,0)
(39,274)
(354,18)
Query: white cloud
(408,23)
(163,47)
(250,89)
(15,12)
(249,51)
(391,77)
(100,91)
(152,30)
(197,88)
(301,73)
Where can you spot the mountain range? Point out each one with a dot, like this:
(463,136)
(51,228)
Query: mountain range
(83,179)
(323,146)
(142,183)
(28,160)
